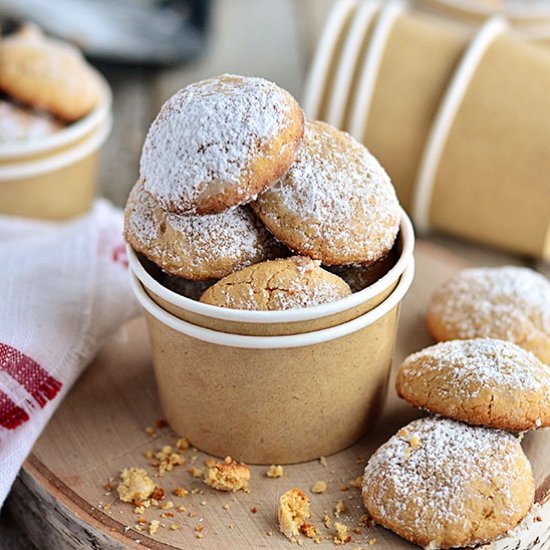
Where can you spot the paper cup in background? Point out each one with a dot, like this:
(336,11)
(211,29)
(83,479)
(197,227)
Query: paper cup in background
(273,323)
(531,18)
(457,117)
(54,177)
(274,399)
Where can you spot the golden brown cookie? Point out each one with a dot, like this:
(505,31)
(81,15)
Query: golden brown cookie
(219,142)
(21,124)
(509,303)
(442,484)
(47,74)
(484,381)
(295,282)
(336,203)
(194,247)
(360,276)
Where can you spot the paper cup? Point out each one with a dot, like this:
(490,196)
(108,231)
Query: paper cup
(273,323)
(465,144)
(55,177)
(273,399)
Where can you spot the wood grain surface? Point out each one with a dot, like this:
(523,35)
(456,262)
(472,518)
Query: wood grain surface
(100,429)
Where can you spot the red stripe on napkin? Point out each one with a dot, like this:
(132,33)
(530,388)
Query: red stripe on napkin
(11,416)
(29,374)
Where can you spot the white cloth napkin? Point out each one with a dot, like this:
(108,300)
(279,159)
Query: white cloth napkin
(63,290)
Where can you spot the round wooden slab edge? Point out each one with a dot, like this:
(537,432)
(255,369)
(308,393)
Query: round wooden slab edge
(48,497)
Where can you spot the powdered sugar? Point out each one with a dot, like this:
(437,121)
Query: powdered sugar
(18,124)
(207,133)
(195,247)
(336,203)
(470,366)
(444,478)
(492,302)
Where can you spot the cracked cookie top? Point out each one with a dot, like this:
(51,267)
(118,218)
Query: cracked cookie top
(291,283)
(442,484)
(219,142)
(483,382)
(509,303)
(336,203)
(195,247)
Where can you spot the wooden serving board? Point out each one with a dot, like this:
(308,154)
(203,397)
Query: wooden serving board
(99,429)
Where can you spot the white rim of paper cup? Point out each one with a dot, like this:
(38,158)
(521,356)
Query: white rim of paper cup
(62,138)
(516,11)
(348,60)
(315,85)
(23,170)
(360,108)
(275,342)
(284,316)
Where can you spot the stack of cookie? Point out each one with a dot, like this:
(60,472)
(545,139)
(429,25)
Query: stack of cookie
(234,182)
(461,478)
(46,85)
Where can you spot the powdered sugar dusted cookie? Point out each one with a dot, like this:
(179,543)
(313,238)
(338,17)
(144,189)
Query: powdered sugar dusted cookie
(509,303)
(195,247)
(336,204)
(47,74)
(483,382)
(291,283)
(443,484)
(20,124)
(219,142)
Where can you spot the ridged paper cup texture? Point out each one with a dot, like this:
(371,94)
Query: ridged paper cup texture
(273,323)
(274,399)
(54,177)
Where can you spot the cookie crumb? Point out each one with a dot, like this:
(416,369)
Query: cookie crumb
(196,472)
(154,526)
(180,492)
(228,476)
(414,441)
(293,512)
(308,530)
(226,506)
(341,536)
(372,542)
(135,485)
(323,461)
(175,526)
(319,487)
(357,482)
(274,471)
(340,508)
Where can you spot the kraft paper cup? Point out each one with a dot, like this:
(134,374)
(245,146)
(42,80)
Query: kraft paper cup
(273,399)
(55,177)
(273,323)
(472,124)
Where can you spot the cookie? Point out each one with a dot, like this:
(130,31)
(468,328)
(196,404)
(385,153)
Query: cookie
(509,303)
(291,283)
(195,247)
(336,203)
(360,276)
(439,483)
(483,382)
(219,142)
(20,124)
(47,74)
